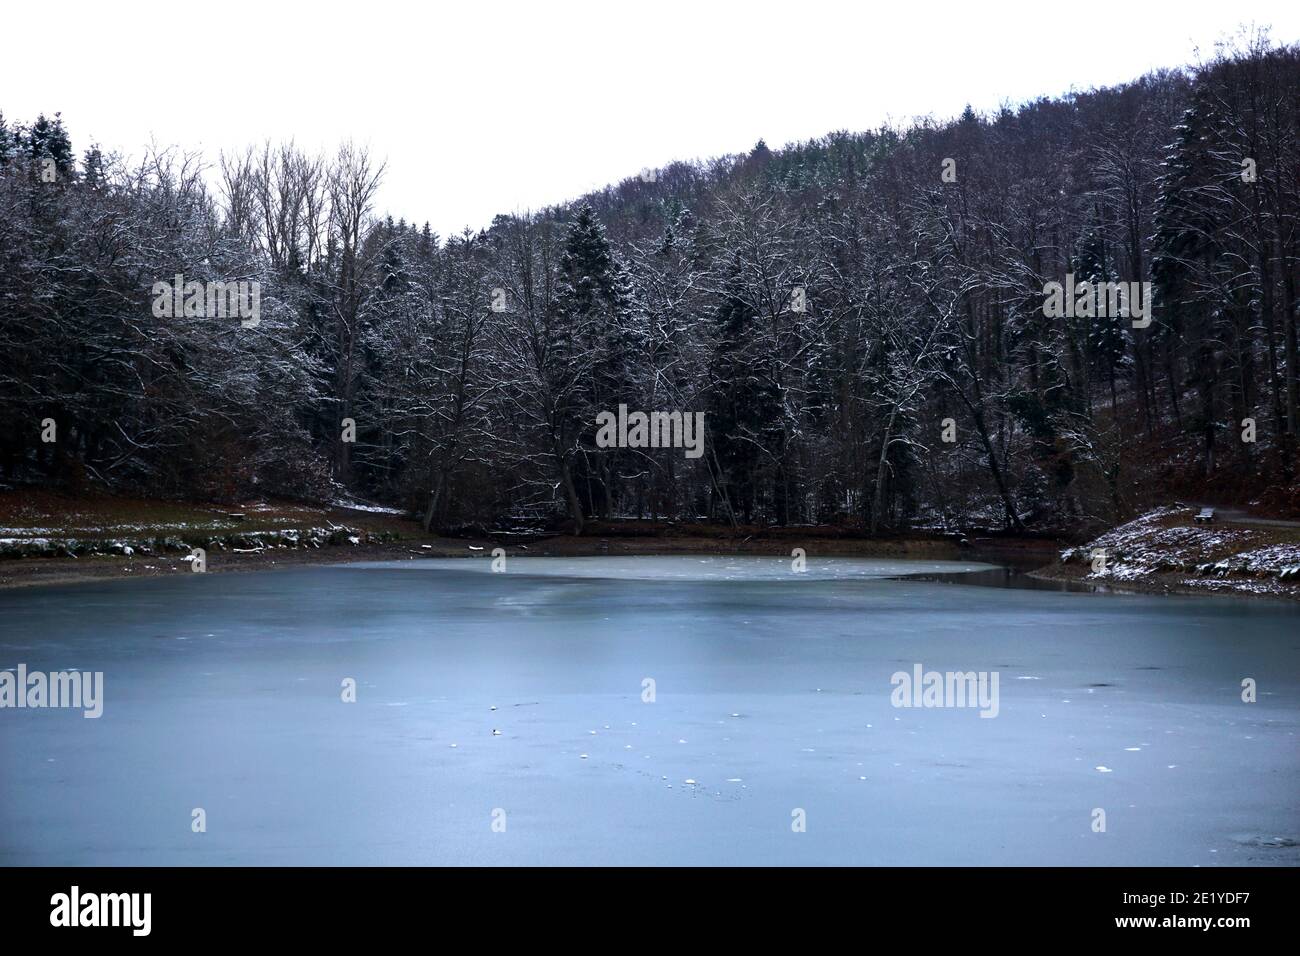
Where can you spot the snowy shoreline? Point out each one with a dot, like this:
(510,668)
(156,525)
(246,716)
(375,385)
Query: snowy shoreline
(1161,552)
(1166,552)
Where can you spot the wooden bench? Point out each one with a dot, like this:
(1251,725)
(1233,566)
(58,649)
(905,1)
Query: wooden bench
(1204,516)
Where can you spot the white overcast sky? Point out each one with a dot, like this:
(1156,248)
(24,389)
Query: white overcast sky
(484,107)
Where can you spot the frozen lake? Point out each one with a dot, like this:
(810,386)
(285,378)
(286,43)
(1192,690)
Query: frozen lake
(772,693)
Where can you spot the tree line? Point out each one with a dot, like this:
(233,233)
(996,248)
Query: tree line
(859,317)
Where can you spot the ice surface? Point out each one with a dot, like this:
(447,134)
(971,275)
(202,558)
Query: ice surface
(688,567)
(772,693)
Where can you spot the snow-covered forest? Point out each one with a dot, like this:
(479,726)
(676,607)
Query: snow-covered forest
(860,318)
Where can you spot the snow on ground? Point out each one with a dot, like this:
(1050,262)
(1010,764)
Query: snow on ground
(110,529)
(1167,540)
(241,541)
(56,526)
(363,506)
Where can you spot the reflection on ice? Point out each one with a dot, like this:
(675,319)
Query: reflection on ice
(690,567)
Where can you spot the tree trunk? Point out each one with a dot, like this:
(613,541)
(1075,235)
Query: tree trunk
(571,495)
(434,496)
(878,501)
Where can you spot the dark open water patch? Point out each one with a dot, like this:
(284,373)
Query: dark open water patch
(1002,578)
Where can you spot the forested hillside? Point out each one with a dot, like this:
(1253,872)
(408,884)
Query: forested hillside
(860,319)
